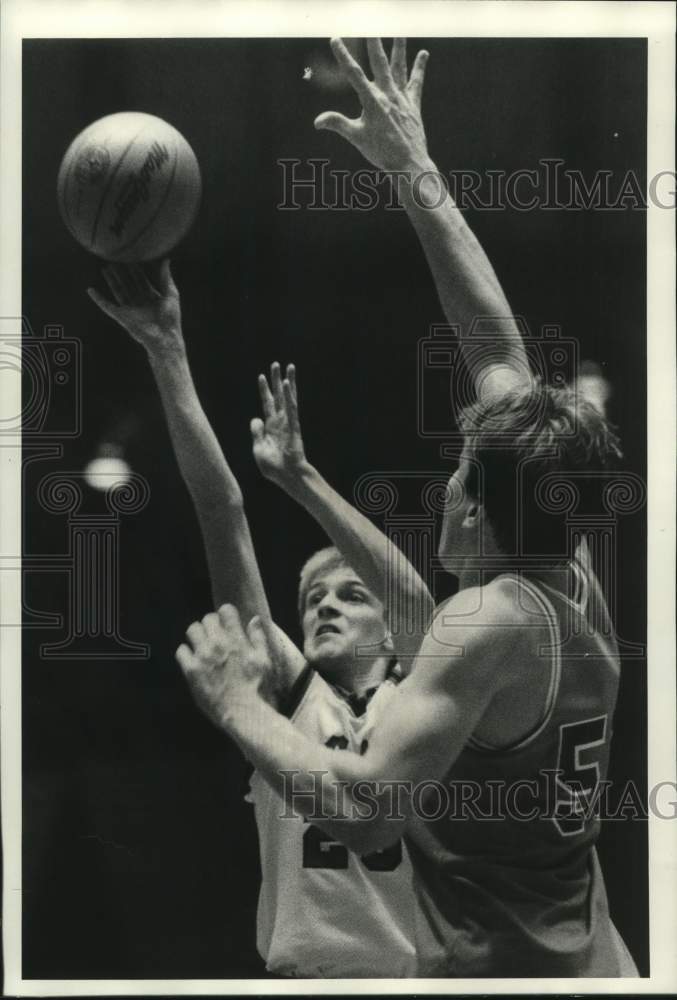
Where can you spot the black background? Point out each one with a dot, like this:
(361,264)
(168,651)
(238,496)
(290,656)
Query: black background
(140,857)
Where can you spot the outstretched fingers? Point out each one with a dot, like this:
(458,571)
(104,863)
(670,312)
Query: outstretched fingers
(276,383)
(267,401)
(415,85)
(291,406)
(145,289)
(398,62)
(380,66)
(159,276)
(113,278)
(104,304)
(257,428)
(291,375)
(354,73)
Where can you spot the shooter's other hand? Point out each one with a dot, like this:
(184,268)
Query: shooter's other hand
(276,440)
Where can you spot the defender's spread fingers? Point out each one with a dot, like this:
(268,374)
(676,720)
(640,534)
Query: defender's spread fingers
(354,72)
(380,66)
(415,85)
(398,62)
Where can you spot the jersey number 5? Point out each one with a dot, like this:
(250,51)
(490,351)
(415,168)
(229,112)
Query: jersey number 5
(578,773)
(320,851)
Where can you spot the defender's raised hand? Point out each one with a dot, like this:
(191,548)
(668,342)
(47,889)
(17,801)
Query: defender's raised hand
(389,132)
(277,441)
(145,303)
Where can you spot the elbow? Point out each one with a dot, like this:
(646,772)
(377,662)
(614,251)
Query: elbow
(233,501)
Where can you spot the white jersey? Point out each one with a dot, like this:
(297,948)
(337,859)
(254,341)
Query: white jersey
(323,911)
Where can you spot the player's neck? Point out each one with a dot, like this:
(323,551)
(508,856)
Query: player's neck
(357,675)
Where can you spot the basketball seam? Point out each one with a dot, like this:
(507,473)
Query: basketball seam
(165,195)
(107,188)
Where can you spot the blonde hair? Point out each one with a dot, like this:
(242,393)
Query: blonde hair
(324,560)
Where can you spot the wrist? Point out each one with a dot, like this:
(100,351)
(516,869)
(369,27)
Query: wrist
(298,478)
(239,711)
(168,348)
(420,184)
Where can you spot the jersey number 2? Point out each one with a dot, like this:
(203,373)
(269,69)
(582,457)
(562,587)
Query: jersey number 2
(320,851)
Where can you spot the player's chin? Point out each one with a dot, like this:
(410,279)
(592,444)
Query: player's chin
(325,647)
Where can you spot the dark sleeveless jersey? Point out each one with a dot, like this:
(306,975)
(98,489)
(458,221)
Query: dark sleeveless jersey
(508,876)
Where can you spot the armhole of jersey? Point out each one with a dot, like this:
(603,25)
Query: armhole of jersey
(288,706)
(294,696)
(555,675)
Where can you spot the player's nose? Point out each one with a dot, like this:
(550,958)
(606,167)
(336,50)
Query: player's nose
(327,607)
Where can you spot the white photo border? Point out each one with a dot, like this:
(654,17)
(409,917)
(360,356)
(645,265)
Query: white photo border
(654,21)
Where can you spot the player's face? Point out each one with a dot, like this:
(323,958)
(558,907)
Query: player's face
(340,615)
(460,536)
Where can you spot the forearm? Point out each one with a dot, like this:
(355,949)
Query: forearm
(213,488)
(381,565)
(465,280)
(198,453)
(314,782)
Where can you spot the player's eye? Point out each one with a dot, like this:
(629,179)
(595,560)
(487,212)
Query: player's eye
(314,599)
(357,595)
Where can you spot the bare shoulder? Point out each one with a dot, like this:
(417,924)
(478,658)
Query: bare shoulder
(497,603)
(482,628)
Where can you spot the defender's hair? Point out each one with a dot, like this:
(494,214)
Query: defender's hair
(533,431)
(324,560)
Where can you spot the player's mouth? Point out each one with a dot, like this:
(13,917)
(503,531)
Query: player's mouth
(326,629)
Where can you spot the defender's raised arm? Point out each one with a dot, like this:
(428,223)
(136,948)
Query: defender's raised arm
(390,134)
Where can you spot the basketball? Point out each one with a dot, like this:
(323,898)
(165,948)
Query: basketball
(129,187)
